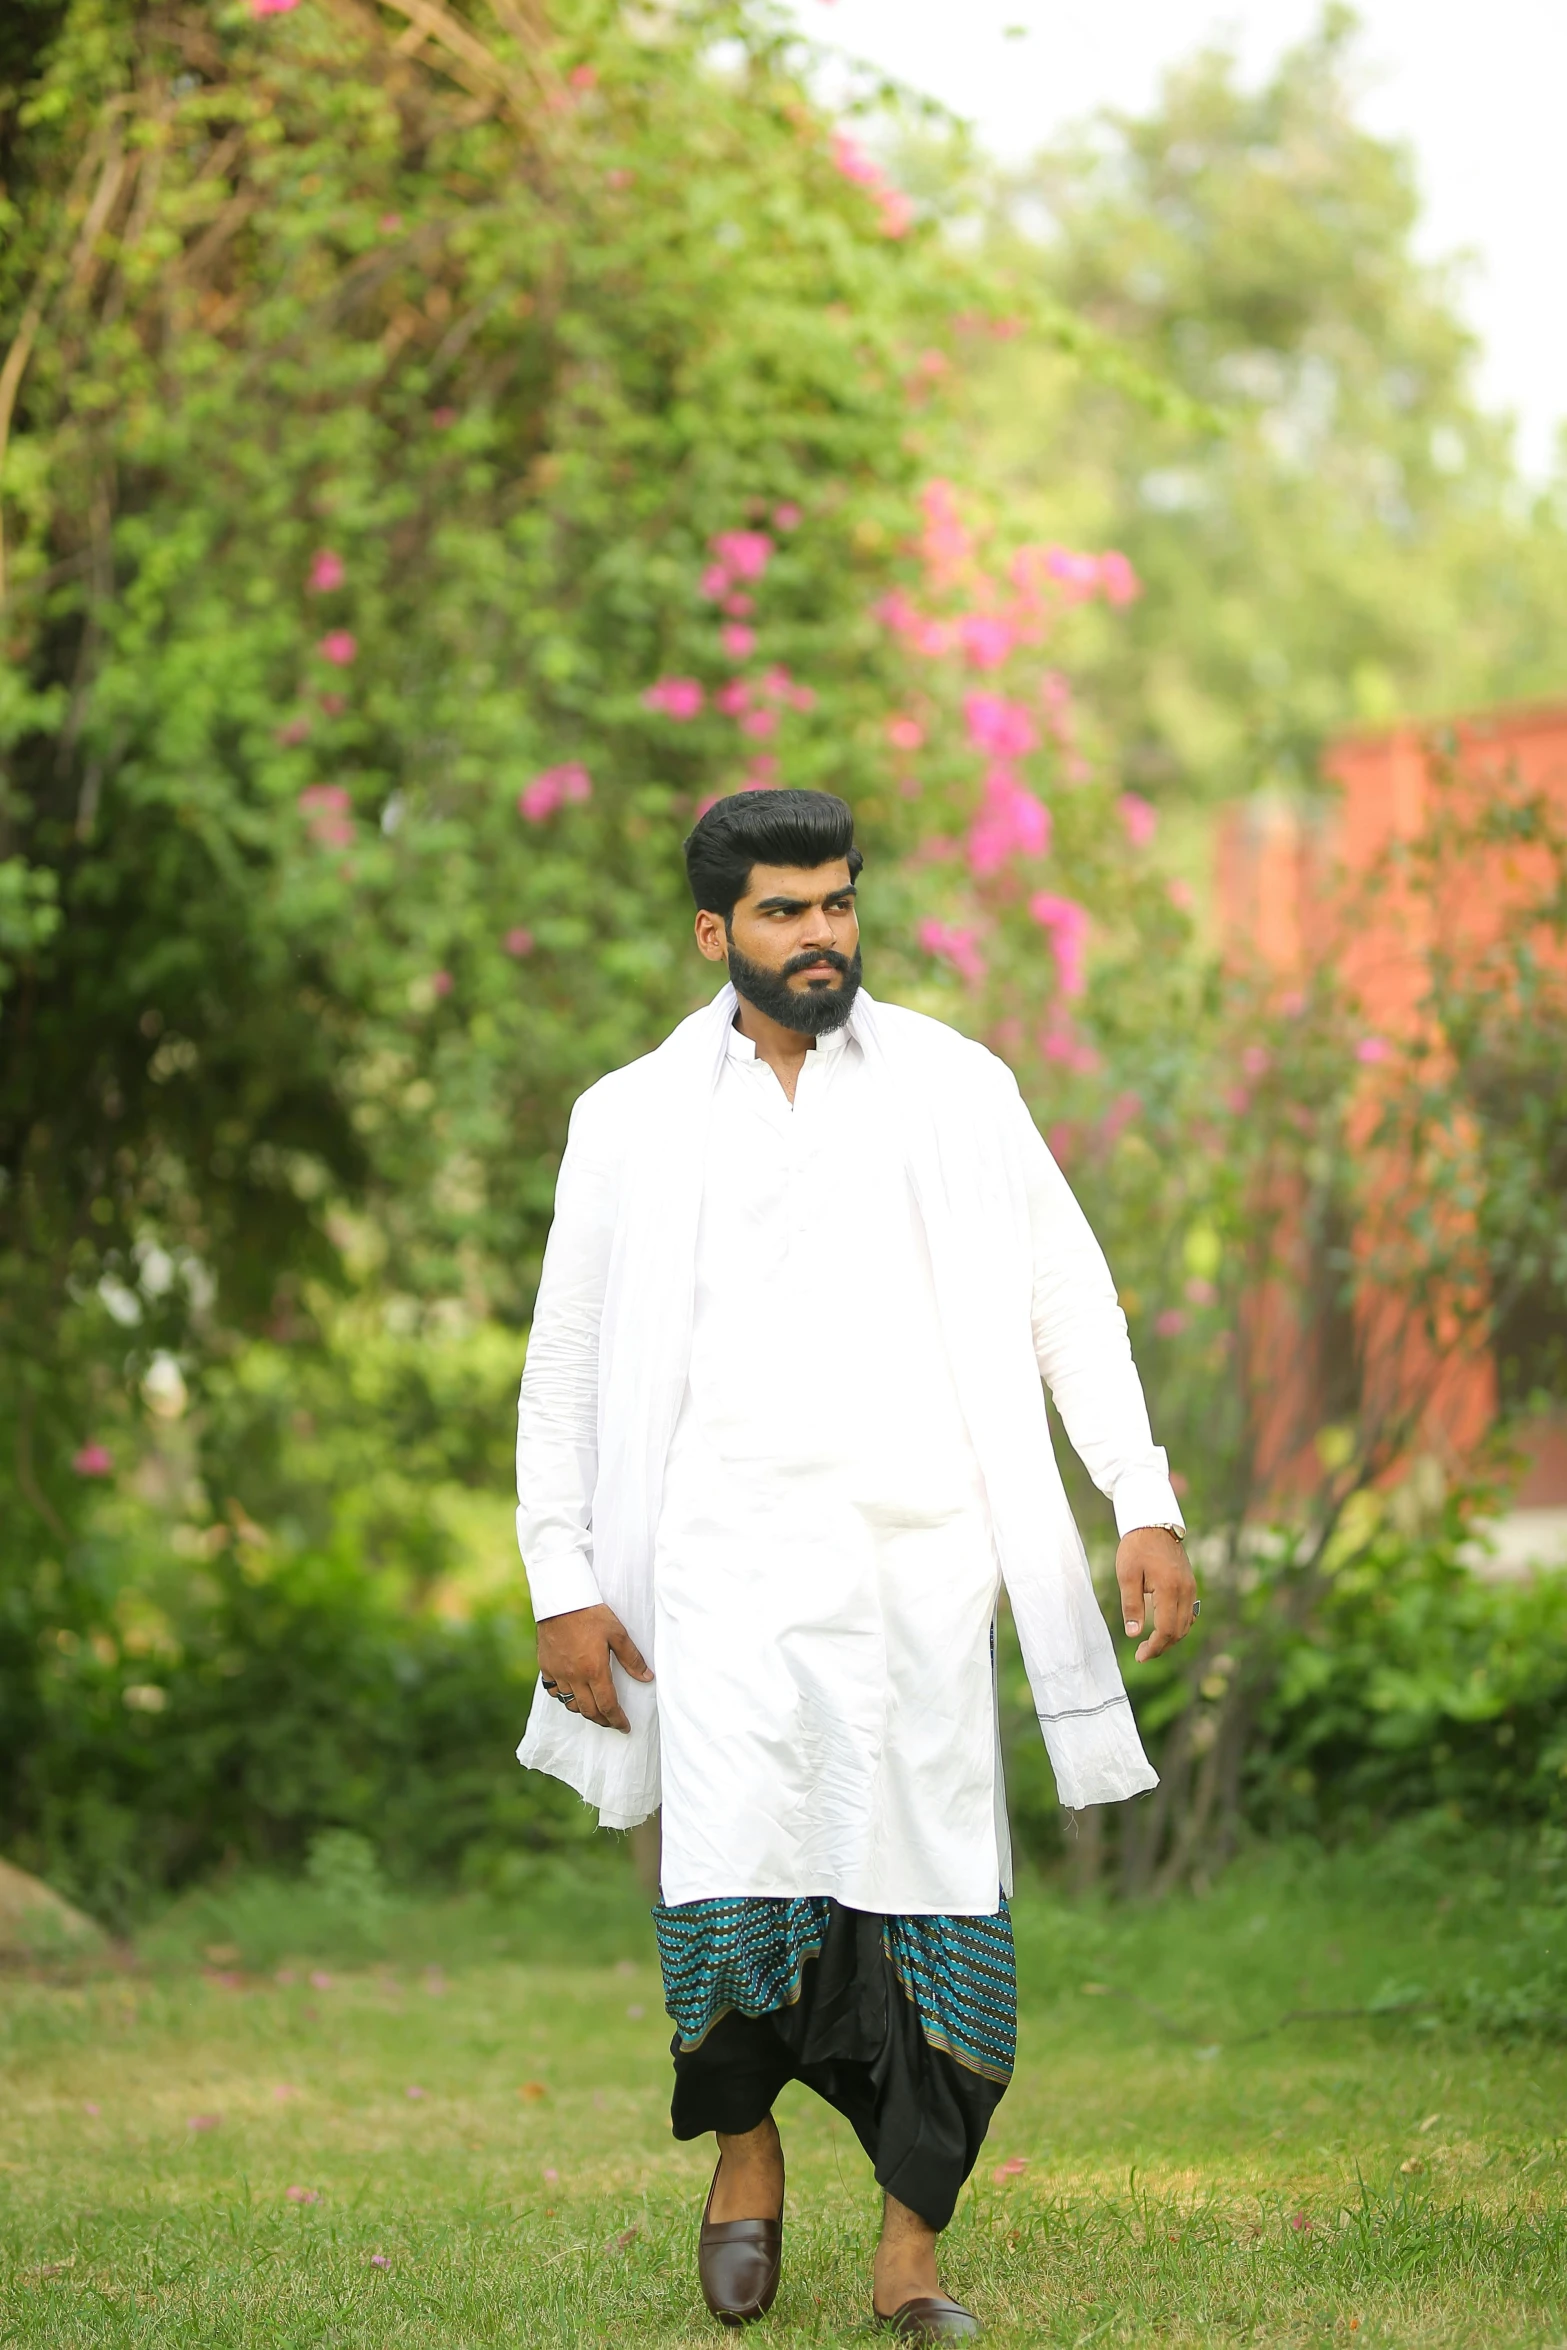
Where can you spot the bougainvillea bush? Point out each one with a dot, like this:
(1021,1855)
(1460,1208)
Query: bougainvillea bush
(442,450)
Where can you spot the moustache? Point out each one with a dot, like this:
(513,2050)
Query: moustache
(811,961)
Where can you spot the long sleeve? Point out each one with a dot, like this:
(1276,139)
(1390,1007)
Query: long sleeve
(1084,1352)
(557,1413)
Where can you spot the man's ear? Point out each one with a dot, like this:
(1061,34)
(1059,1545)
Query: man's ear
(712,937)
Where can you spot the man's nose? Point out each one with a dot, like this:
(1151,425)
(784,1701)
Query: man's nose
(817,930)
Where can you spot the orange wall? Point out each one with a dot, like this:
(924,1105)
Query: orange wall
(1283,878)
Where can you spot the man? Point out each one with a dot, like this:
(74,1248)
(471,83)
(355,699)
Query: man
(782,1434)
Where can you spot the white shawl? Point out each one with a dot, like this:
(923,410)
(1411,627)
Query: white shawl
(642,1132)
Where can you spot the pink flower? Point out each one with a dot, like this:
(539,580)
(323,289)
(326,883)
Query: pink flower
(294,733)
(93,1460)
(1013,2168)
(905,734)
(551,2177)
(1372,1049)
(1139,818)
(710,801)
(259,8)
(204,2121)
(301,2195)
(326,809)
(1299,2220)
(739,607)
(285,2089)
(677,697)
(958,947)
(1200,1292)
(1119,1116)
(582,77)
(620,177)
(1170,1323)
(733,698)
(852,160)
(553,789)
(1011,823)
(1067,924)
(1059,1041)
(738,641)
(1256,1060)
(1078,575)
(1237,1100)
(895,211)
(786,517)
(89,2107)
(441,984)
(443,418)
(1119,581)
(340,647)
(320,1980)
(985,640)
(996,725)
(334,705)
(389,223)
(1054,691)
(745,554)
(895,611)
(714,583)
(802,697)
(1180,896)
(518,941)
(326,573)
(414,2091)
(379,2260)
(945,543)
(760,723)
(1292,1003)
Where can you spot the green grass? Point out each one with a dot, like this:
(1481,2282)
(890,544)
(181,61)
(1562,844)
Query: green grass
(1197,2172)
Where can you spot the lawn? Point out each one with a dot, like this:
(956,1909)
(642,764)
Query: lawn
(238,2136)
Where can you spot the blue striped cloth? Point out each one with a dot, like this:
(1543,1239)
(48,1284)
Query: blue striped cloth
(751,1953)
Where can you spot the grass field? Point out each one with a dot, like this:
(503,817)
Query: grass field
(466,2140)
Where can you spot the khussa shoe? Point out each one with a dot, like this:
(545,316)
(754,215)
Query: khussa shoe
(737,2261)
(932,2318)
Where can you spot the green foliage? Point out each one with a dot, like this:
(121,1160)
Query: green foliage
(263,1702)
(1356,544)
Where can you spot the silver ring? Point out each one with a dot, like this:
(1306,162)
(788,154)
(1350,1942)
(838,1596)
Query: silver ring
(1196,1609)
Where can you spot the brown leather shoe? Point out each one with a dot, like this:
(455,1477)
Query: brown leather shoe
(932,2318)
(738,2262)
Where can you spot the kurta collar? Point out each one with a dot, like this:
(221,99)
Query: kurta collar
(740,1048)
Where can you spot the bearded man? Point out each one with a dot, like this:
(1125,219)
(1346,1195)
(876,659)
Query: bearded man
(783,1435)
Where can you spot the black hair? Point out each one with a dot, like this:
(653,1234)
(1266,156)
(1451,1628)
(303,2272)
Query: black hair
(805,828)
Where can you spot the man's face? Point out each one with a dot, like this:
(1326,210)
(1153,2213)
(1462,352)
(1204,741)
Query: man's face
(796,924)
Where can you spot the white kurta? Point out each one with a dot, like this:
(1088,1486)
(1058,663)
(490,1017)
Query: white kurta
(824,1575)
(782,1411)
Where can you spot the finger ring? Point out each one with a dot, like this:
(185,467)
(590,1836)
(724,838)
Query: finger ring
(1196,1609)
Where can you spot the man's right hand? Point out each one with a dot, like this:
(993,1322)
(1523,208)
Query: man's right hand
(574,1654)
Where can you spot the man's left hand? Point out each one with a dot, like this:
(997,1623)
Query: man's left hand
(1152,1566)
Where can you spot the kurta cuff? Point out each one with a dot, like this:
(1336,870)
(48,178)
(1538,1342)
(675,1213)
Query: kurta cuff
(556,1586)
(1145,1497)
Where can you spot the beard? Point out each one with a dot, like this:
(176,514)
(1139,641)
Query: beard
(811,1011)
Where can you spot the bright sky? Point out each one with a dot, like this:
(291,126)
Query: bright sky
(1477,88)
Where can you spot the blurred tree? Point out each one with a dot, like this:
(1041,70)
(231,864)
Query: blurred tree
(1358,543)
